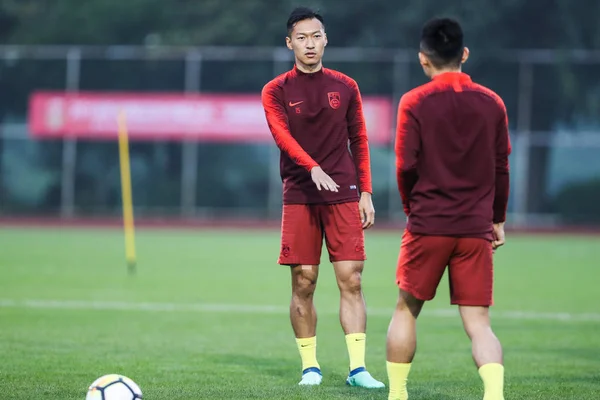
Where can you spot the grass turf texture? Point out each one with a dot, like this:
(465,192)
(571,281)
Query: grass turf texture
(206,318)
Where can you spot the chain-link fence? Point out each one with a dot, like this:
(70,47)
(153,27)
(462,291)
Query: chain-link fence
(552,102)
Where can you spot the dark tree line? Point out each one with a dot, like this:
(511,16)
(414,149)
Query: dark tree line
(564,93)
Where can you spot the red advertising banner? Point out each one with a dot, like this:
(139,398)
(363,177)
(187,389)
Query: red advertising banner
(203,117)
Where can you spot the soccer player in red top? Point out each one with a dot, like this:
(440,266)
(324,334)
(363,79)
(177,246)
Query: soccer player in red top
(452,148)
(316,118)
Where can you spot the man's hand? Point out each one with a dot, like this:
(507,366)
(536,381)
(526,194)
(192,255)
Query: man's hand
(367,211)
(498,235)
(321,179)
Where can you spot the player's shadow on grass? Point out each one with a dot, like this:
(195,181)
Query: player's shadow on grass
(288,369)
(582,353)
(420,394)
(267,365)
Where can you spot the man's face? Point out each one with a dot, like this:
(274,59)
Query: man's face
(308,41)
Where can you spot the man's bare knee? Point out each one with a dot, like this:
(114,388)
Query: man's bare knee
(304,280)
(475,319)
(407,301)
(349,276)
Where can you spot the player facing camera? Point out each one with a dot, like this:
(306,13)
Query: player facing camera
(306,38)
(316,117)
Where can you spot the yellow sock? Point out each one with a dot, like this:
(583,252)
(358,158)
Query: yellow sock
(397,377)
(308,352)
(493,381)
(356,343)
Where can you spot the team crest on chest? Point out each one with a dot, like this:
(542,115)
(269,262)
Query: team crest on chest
(334,100)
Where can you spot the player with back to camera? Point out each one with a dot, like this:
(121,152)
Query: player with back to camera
(316,118)
(452,148)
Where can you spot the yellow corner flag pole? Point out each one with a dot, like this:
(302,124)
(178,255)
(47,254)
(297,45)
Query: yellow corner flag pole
(126,193)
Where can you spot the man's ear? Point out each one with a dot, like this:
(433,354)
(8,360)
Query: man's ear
(465,55)
(424,60)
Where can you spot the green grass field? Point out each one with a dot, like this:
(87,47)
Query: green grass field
(206,318)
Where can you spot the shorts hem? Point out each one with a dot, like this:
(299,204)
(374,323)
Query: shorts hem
(294,262)
(471,303)
(347,259)
(415,293)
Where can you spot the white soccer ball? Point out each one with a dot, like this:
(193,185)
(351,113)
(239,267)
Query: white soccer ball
(113,387)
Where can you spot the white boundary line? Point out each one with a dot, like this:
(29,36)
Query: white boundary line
(269,309)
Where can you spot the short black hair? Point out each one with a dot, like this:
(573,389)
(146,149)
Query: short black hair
(300,14)
(442,42)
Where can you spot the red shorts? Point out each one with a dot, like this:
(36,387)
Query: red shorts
(303,227)
(423,260)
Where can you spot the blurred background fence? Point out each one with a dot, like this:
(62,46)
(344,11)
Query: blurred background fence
(552,97)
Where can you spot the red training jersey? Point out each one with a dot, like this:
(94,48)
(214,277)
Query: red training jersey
(452,148)
(317,120)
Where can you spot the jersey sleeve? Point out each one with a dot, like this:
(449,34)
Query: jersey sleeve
(277,120)
(407,147)
(503,150)
(359,143)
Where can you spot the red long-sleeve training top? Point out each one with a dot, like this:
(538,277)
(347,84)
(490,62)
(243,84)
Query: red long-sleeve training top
(317,119)
(452,148)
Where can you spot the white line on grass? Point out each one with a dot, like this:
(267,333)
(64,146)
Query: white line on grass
(269,309)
